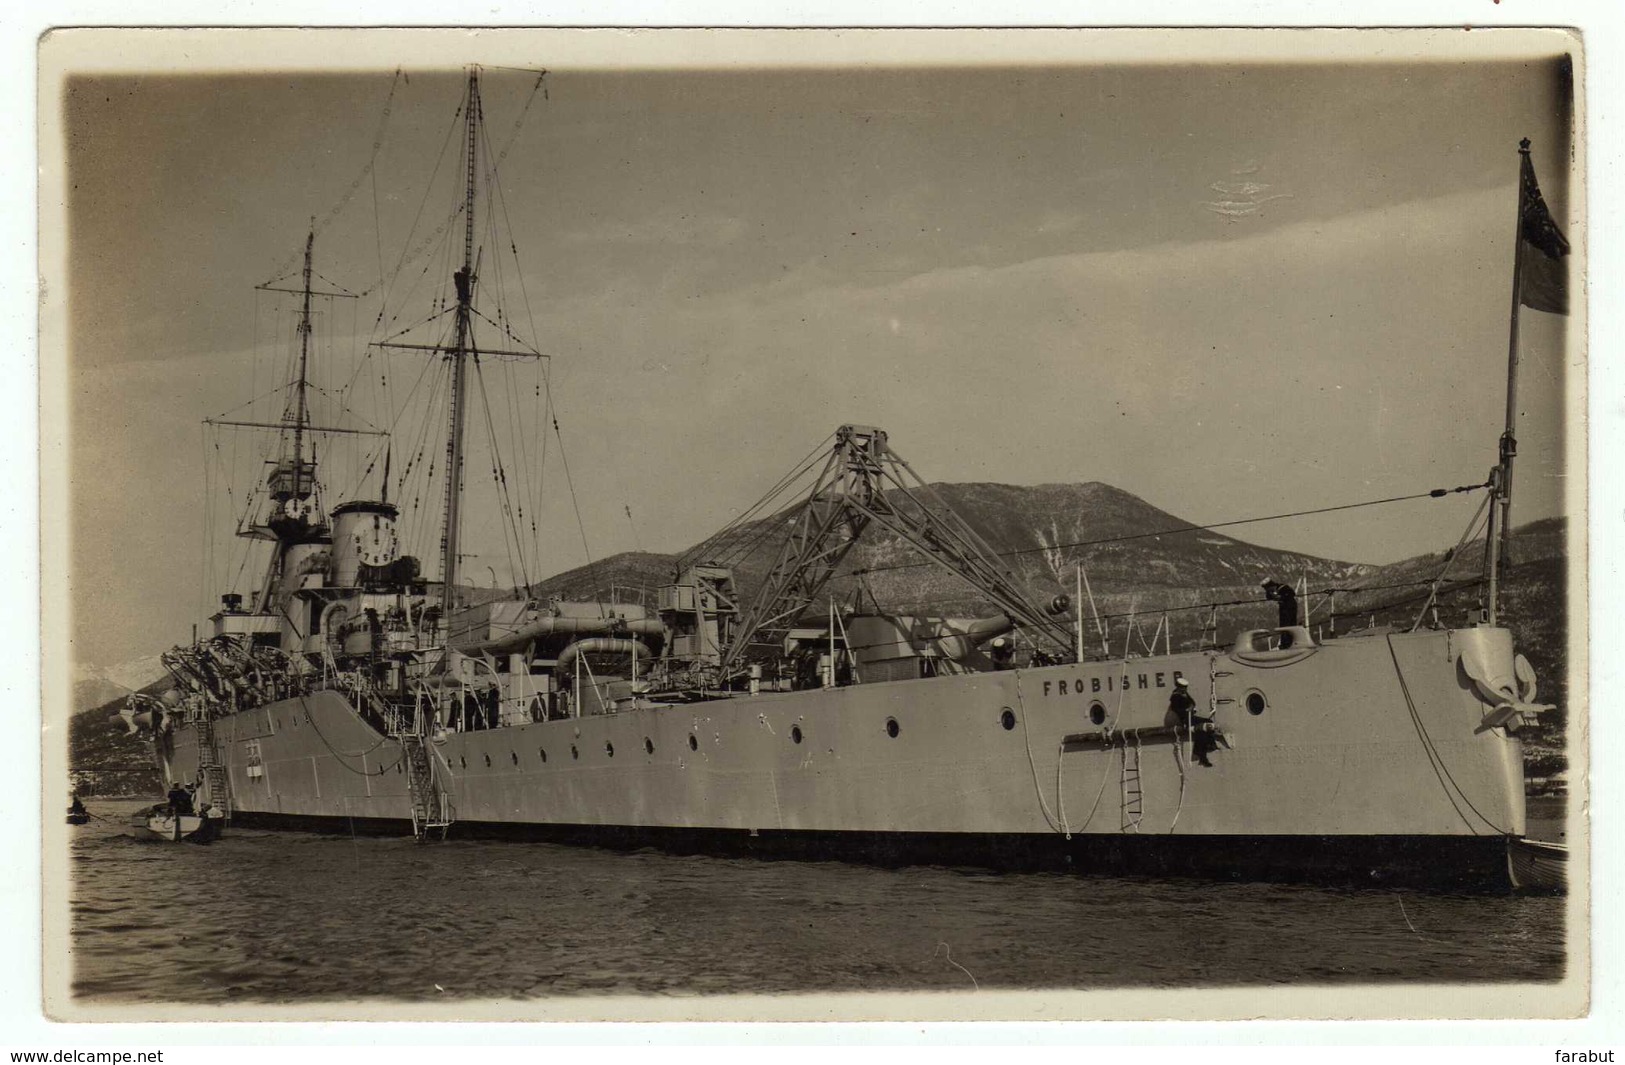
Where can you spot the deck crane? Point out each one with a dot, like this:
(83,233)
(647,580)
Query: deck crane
(865,483)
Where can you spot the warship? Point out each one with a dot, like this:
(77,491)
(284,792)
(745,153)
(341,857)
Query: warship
(353,693)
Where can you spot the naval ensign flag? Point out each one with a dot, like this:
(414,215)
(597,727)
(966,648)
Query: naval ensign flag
(1543,283)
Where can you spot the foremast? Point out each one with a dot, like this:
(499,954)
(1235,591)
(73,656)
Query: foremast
(301,386)
(294,515)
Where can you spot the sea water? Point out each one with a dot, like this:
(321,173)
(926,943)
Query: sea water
(283,917)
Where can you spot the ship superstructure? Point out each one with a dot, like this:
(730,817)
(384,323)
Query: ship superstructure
(774,720)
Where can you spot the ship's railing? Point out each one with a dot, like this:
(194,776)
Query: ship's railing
(1323,611)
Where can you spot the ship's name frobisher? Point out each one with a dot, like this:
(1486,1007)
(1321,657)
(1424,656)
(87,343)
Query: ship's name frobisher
(1109,683)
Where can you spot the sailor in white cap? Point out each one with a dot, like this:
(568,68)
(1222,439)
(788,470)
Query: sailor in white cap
(1204,739)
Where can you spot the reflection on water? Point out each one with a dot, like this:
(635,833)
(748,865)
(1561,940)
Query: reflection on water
(288,917)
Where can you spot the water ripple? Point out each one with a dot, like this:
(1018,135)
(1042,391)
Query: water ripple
(283,917)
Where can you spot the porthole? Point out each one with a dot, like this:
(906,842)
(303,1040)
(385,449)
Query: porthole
(891,727)
(795,733)
(462,762)
(609,748)
(515,756)
(488,761)
(648,745)
(693,742)
(1008,719)
(398,768)
(1256,703)
(574,753)
(542,752)
(1097,713)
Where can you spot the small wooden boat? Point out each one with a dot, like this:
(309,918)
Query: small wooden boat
(201,827)
(1538,867)
(78,819)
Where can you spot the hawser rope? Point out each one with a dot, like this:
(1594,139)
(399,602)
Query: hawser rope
(1059,822)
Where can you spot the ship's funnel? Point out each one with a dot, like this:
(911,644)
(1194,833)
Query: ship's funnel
(364,535)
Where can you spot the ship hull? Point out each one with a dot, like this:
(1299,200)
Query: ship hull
(1365,760)
(1444,863)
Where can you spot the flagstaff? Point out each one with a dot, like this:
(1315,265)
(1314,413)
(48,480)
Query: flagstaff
(1542,265)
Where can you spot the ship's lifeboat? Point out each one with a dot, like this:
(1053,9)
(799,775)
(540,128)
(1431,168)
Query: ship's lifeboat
(1537,867)
(202,827)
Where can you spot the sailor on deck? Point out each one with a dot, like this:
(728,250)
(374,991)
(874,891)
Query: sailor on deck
(1288,600)
(1288,607)
(1204,735)
(180,800)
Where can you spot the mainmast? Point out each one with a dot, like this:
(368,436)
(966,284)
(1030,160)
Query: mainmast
(461,350)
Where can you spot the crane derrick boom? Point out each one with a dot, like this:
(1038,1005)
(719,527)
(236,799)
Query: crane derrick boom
(865,483)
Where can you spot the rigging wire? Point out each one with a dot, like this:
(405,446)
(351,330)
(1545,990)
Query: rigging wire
(205,577)
(499,475)
(1435,759)
(570,481)
(406,403)
(516,431)
(1436,493)
(1256,603)
(796,472)
(284,270)
(500,202)
(377,231)
(762,535)
(389,284)
(503,322)
(541,465)
(1451,555)
(420,478)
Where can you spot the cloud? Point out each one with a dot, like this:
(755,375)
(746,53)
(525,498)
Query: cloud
(1239,188)
(1242,198)
(1242,208)
(1313,359)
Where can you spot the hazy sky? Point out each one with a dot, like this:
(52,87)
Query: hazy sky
(1231,289)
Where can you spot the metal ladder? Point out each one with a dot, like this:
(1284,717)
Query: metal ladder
(431,813)
(1133,795)
(216,784)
